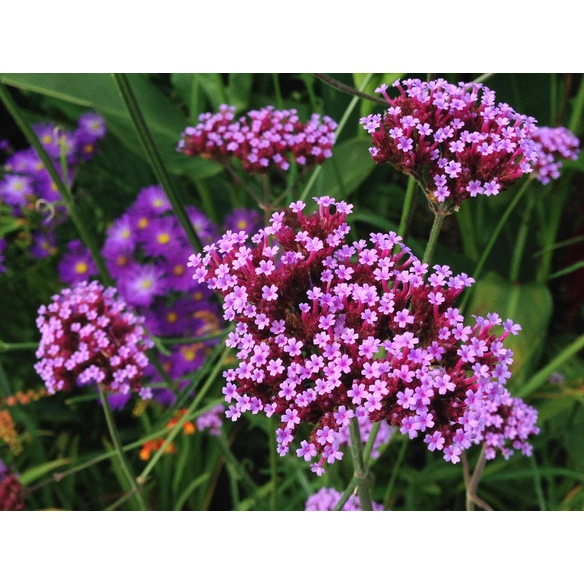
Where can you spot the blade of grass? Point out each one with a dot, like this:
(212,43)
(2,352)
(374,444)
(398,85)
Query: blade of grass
(154,158)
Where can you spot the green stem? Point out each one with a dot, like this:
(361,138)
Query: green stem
(234,467)
(519,248)
(107,455)
(113,431)
(177,427)
(370,442)
(484,256)
(405,216)
(193,340)
(346,494)
(154,158)
(394,474)
(338,131)
(577,112)
(273,466)
(66,196)
(360,469)
(431,245)
(5,347)
(277,91)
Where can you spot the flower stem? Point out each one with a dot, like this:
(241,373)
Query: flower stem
(394,473)
(5,347)
(113,431)
(177,427)
(520,242)
(154,158)
(273,467)
(338,131)
(406,211)
(431,245)
(494,236)
(66,195)
(473,484)
(359,467)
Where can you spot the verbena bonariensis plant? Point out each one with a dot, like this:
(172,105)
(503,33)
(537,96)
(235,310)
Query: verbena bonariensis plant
(553,145)
(455,140)
(90,337)
(262,139)
(327,330)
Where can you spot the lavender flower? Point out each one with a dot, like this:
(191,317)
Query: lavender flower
(326,331)
(262,139)
(327,499)
(88,336)
(553,145)
(455,142)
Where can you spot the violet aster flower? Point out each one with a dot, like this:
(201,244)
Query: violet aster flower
(88,336)
(552,146)
(44,244)
(153,201)
(142,283)
(455,140)
(16,189)
(248,220)
(351,326)
(93,124)
(262,139)
(77,264)
(326,499)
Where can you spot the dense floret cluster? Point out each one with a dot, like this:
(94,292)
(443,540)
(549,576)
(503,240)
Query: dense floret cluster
(11,491)
(326,500)
(455,140)
(553,145)
(508,427)
(90,337)
(326,331)
(262,139)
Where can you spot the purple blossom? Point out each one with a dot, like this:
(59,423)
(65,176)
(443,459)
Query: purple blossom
(314,353)
(326,499)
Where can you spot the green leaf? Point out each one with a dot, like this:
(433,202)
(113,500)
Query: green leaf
(529,305)
(98,91)
(568,270)
(32,474)
(214,88)
(349,166)
(239,90)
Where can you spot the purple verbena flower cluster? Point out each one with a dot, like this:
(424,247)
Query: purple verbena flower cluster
(553,145)
(28,186)
(88,336)
(508,426)
(326,331)
(211,420)
(11,490)
(456,142)
(261,139)
(326,499)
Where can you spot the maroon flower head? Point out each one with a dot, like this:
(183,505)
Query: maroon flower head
(454,141)
(11,491)
(327,331)
(262,139)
